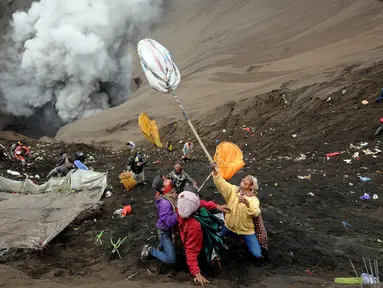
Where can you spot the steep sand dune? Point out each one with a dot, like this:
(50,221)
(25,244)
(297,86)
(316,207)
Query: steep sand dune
(240,48)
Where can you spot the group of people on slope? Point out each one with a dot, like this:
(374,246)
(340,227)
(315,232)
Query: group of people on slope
(136,164)
(181,210)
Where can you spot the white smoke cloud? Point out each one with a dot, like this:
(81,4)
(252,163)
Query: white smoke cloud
(62,49)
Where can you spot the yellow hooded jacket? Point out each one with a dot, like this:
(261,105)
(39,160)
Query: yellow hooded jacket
(240,218)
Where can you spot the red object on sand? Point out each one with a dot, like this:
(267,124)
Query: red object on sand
(381,120)
(126,210)
(333,154)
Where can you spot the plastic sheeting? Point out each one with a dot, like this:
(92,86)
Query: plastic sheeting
(32,215)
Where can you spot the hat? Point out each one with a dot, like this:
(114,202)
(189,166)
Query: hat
(187,204)
(130,143)
(158,184)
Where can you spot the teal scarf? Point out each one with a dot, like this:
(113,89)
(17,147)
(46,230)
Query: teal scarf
(210,225)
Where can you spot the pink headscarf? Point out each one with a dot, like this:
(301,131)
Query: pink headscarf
(187,204)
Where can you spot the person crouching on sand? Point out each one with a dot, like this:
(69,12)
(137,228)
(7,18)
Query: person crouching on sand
(190,228)
(166,203)
(244,206)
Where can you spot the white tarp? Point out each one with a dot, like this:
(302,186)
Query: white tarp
(32,215)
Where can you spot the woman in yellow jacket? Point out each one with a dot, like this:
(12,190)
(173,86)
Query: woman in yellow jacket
(244,206)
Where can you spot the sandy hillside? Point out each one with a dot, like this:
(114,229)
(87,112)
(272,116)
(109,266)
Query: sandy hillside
(236,49)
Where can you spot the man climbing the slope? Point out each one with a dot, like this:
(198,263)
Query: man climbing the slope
(20,152)
(180,178)
(136,164)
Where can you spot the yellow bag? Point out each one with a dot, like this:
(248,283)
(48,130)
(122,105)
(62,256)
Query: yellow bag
(128,180)
(149,129)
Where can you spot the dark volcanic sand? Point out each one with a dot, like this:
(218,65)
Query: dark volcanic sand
(306,234)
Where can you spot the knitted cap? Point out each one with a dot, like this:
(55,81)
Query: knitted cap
(187,204)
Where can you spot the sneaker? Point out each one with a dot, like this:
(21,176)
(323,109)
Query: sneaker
(145,253)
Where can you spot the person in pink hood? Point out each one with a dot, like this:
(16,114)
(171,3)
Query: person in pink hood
(191,231)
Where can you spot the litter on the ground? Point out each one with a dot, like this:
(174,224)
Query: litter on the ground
(348,161)
(301,157)
(364,179)
(130,278)
(333,154)
(308,177)
(14,173)
(375,197)
(369,152)
(126,210)
(346,224)
(118,212)
(311,194)
(108,194)
(365,197)
(356,156)
(364,102)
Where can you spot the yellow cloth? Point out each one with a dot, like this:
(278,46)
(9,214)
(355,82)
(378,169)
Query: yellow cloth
(240,218)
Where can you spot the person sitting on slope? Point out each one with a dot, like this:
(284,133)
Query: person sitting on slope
(198,230)
(244,206)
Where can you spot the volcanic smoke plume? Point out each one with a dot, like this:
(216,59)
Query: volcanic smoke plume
(68,59)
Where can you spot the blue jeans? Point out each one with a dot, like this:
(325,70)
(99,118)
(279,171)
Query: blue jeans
(250,240)
(168,253)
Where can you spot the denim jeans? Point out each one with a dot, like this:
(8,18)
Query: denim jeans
(250,240)
(168,252)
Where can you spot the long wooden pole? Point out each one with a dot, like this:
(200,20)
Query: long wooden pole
(191,126)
